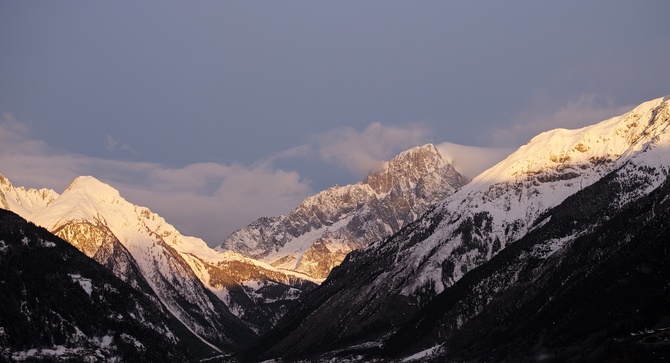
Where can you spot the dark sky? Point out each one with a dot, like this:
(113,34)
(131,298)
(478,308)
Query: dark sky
(213,113)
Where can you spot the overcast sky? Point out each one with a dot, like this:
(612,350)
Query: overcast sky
(214,113)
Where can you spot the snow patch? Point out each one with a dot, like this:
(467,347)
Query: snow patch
(47,244)
(297,247)
(57,353)
(131,339)
(3,246)
(85,283)
(423,354)
(106,341)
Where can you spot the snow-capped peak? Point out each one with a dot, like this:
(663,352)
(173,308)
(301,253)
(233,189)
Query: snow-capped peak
(406,168)
(551,151)
(625,158)
(86,198)
(142,248)
(92,186)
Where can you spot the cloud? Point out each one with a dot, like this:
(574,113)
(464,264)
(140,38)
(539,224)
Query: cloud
(297,152)
(208,200)
(362,152)
(211,200)
(588,109)
(11,129)
(112,144)
(14,137)
(470,160)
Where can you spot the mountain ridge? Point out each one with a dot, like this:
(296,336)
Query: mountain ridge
(500,206)
(144,236)
(24,201)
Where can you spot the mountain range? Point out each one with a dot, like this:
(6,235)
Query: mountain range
(380,291)
(225,299)
(557,252)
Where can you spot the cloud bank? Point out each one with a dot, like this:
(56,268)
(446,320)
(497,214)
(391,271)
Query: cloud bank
(208,200)
(470,160)
(211,200)
(363,152)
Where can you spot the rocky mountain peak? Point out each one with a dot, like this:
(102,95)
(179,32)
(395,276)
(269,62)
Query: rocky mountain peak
(317,235)
(4,182)
(406,168)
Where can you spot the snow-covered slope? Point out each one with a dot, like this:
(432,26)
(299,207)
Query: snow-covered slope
(585,282)
(59,305)
(90,209)
(144,250)
(466,229)
(502,203)
(21,201)
(318,234)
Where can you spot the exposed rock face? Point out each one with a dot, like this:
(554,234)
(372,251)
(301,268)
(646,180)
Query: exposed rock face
(319,233)
(255,292)
(100,244)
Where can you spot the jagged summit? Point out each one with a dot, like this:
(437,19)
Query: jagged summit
(24,201)
(317,235)
(406,168)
